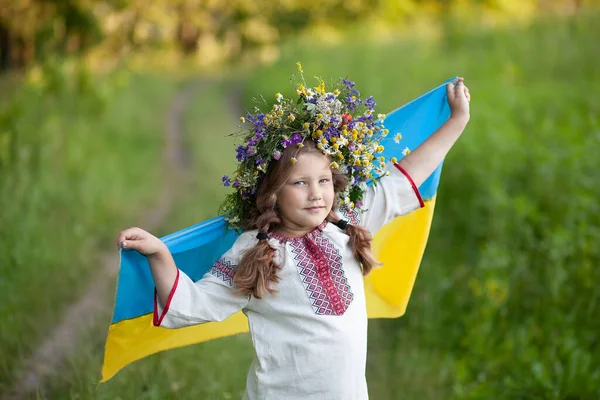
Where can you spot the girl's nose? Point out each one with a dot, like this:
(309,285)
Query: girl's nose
(315,193)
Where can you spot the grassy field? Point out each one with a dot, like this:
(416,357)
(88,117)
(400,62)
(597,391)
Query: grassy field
(505,305)
(75,163)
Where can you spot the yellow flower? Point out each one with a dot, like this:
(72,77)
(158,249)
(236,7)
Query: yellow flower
(336,146)
(266,120)
(298,92)
(300,145)
(242,120)
(319,115)
(406,151)
(291,117)
(321,87)
(385,131)
(324,141)
(394,160)
(293,160)
(319,146)
(357,162)
(341,202)
(380,149)
(336,92)
(334,139)
(335,165)
(353,98)
(278,97)
(299,67)
(280,112)
(319,133)
(306,125)
(328,112)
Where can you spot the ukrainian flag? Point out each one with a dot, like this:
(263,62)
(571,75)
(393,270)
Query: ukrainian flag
(399,245)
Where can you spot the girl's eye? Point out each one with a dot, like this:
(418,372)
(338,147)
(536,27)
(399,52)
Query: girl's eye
(299,183)
(325,180)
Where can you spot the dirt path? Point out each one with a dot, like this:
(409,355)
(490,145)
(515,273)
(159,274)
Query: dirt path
(82,315)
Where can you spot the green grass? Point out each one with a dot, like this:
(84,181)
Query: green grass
(505,304)
(83,163)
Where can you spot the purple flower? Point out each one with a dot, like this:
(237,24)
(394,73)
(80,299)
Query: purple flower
(277,155)
(236,184)
(359,203)
(296,138)
(349,84)
(241,153)
(286,142)
(370,102)
(226,181)
(259,160)
(251,151)
(331,131)
(252,142)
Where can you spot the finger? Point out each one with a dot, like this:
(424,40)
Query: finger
(132,244)
(450,90)
(128,234)
(460,89)
(467,94)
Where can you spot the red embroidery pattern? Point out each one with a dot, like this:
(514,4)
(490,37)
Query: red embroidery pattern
(319,265)
(224,270)
(351,215)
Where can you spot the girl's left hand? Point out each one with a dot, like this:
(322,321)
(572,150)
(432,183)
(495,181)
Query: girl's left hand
(459,99)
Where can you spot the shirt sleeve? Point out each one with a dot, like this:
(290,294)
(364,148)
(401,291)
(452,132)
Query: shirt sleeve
(211,299)
(394,195)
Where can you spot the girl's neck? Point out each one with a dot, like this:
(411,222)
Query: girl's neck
(293,232)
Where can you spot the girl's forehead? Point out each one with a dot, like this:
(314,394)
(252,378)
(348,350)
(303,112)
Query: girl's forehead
(311,163)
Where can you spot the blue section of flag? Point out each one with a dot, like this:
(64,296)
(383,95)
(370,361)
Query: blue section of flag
(416,121)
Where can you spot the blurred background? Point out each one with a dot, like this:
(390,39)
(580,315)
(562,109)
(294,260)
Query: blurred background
(117,113)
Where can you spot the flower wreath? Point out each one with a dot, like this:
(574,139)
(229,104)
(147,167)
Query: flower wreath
(342,125)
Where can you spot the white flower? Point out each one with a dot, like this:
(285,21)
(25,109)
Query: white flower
(406,151)
(279,96)
(398,137)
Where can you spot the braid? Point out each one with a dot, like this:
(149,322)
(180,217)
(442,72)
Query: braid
(360,242)
(257,269)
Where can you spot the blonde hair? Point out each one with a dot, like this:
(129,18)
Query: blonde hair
(257,271)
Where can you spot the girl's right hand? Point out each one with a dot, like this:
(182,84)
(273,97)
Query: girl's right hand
(140,240)
(459,99)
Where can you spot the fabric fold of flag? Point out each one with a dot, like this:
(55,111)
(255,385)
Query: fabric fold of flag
(399,245)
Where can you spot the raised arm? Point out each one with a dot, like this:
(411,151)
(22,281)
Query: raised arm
(423,160)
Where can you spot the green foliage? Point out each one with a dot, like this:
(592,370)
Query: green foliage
(78,156)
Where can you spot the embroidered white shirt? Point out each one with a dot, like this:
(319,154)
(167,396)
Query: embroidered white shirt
(310,337)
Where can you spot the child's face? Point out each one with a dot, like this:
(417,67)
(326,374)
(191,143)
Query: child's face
(307,197)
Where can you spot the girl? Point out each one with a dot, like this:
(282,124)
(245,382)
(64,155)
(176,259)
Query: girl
(307,214)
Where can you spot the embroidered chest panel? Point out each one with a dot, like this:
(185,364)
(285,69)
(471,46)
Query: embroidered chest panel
(319,265)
